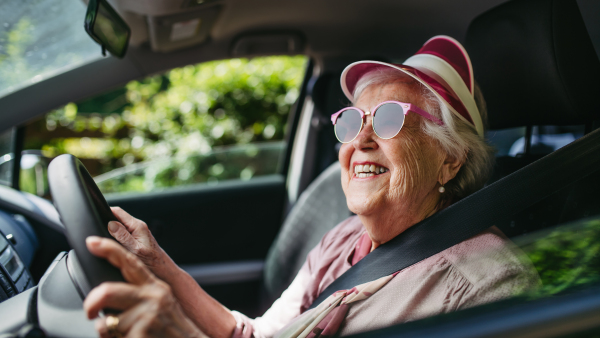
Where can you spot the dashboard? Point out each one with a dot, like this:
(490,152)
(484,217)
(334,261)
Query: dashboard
(18,245)
(41,282)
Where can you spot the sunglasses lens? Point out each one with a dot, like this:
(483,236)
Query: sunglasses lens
(348,125)
(388,120)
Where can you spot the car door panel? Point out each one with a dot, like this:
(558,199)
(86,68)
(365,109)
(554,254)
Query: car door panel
(235,284)
(231,221)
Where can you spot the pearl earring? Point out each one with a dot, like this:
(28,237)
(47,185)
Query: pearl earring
(442,189)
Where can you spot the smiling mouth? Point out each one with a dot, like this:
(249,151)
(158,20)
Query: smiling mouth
(368,170)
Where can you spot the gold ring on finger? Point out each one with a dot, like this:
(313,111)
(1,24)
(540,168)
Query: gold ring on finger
(112,322)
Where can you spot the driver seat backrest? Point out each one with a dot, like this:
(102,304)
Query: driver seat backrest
(536,65)
(319,208)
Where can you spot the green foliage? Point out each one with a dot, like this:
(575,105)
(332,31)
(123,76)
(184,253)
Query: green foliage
(184,113)
(567,257)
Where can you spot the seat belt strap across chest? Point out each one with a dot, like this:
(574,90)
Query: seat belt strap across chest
(475,213)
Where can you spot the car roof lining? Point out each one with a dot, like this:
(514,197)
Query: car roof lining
(355,24)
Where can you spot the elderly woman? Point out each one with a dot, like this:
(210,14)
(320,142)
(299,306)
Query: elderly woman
(412,145)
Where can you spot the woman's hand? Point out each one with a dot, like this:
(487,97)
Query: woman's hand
(135,236)
(148,305)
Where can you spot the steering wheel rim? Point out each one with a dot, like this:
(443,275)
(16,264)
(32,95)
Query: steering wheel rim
(84,212)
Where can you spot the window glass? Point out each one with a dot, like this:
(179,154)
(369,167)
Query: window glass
(503,139)
(207,123)
(39,39)
(566,257)
(544,139)
(6,156)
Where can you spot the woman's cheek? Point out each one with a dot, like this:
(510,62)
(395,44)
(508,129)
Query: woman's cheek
(409,168)
(345,154)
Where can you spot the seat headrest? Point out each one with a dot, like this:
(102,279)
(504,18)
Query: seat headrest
(535,64)
(327,94)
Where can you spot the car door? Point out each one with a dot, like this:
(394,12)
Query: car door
(199,154)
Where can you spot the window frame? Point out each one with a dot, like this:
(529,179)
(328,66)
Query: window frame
(289,134)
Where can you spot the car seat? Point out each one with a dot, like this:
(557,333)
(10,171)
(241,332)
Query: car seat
(318,209)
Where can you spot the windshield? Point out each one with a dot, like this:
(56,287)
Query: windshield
(40,39)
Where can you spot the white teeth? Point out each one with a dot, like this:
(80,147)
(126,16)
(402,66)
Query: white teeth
(368,170)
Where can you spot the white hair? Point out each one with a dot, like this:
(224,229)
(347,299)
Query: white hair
(456,137)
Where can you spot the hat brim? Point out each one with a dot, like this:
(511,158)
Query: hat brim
(355,71)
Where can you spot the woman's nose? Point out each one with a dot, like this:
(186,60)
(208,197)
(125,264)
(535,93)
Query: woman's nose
(366,139)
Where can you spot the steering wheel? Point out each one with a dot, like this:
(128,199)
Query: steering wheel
(84,212)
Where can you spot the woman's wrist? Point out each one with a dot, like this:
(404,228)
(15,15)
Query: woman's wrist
(165,268)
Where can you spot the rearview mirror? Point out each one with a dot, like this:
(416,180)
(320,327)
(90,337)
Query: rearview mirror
(107,28)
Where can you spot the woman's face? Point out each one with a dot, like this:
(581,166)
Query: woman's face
(413,162)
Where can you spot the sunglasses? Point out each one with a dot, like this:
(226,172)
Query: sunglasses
(388,119)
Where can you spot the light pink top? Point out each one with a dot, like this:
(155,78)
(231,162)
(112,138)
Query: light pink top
(482,269)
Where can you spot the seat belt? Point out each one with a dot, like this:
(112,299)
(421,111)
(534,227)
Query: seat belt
(475,213)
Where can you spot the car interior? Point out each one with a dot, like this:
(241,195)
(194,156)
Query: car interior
(536,62)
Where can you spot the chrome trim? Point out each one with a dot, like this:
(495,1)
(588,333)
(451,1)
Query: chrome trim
(227,272)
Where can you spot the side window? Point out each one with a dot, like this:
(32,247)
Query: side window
(544,139)
(206,123)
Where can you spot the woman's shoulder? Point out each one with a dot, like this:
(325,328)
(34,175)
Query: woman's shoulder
(490,258)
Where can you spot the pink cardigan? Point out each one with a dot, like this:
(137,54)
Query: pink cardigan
(482,269)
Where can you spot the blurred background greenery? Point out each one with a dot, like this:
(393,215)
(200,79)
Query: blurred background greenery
(202,123)
(566,257)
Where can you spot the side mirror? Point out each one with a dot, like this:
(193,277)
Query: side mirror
(107,28)
(34,173)
(33,176)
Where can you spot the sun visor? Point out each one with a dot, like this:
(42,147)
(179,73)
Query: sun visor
(176,31)
(268,44)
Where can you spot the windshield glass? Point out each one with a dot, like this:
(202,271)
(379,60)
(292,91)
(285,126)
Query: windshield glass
(40,39)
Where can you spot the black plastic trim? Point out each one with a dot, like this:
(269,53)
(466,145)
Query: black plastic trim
(18,138)
(32,314)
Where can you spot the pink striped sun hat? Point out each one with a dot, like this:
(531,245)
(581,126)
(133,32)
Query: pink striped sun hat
(442,65)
